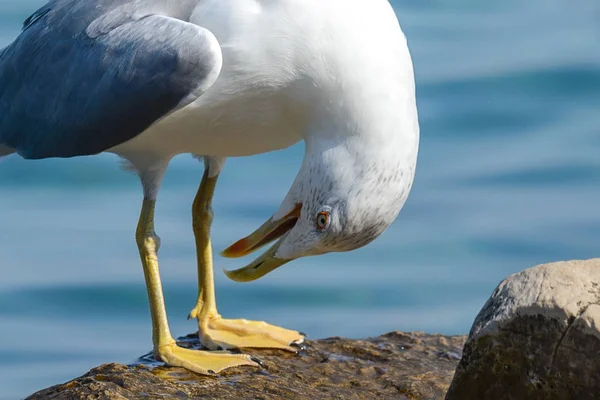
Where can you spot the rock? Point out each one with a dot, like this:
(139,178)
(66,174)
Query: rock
(393,366)
(537,337)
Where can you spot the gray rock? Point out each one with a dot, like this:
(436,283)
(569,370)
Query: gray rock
(537,337)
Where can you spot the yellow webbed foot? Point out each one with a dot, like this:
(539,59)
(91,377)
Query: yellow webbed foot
(216,332)
(203,362)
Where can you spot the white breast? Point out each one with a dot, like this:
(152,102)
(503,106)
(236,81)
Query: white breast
(249,109)
(285,64)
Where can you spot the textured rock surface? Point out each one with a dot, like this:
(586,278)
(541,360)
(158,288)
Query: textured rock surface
(537,337)
(393,366)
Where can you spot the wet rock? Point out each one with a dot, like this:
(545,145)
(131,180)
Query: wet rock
(393,366)
(537,337)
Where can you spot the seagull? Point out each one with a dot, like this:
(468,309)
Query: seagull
(148,80)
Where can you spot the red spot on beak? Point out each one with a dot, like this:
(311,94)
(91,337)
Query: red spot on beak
(268,232)
(238,249)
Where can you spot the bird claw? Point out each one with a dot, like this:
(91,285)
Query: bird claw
(299,346)
(258,361)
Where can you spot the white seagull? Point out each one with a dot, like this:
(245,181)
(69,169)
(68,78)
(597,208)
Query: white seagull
(150,79)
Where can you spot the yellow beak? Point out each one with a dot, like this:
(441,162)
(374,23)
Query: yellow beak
(267,262)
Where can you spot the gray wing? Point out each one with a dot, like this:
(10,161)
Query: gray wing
(87,75)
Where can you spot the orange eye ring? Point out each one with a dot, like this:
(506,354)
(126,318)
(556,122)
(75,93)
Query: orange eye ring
(322,220)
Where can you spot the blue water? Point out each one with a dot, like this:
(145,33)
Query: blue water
(508,177)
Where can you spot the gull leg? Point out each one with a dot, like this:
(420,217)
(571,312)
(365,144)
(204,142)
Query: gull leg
(216,332)
(164,346)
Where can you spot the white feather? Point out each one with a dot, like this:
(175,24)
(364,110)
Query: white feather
(334,73)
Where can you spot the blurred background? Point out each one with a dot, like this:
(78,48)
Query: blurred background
(508,177)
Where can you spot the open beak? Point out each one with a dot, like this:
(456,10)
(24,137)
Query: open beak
(267,262)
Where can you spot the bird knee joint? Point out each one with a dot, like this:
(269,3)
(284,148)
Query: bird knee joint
(209,214)
(204,218)
(148,239)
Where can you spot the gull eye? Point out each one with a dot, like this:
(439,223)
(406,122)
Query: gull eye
(322,220)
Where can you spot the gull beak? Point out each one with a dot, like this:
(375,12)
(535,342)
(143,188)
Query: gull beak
(267,262)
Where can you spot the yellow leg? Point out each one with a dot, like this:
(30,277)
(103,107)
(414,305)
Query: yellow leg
(216,332)
(165,348)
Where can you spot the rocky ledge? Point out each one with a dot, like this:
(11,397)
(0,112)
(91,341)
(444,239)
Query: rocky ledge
(392,366)
(536,338)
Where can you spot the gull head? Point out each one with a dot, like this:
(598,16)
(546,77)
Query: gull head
(343,198)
